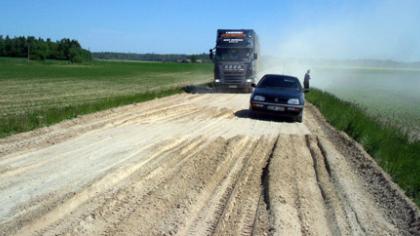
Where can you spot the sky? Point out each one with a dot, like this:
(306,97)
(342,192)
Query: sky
(328,29)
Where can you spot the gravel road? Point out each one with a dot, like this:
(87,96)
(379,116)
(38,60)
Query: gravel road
(195,164)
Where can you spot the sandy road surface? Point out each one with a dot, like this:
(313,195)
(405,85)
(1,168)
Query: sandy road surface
(195,164)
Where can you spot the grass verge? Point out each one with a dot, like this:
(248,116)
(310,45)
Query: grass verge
(390,146)
(45,117)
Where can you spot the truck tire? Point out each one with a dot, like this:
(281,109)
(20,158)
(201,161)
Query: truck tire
(218,89)
(247,90)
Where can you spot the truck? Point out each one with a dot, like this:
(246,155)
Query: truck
(235,59)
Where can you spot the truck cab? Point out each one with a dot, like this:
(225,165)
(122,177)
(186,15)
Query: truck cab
(235,59)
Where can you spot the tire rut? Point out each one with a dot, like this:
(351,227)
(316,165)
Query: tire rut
(114,205)
(245,195)
(170,201)
(339,222)
(296,203)
(189,165)
(109,180)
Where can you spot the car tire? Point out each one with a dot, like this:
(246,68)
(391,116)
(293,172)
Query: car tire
(251,113)
(299,118)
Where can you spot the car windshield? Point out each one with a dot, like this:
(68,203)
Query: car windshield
(233,54)
(279,82)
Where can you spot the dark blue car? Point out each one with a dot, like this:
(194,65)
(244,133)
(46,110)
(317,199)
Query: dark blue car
(279,95)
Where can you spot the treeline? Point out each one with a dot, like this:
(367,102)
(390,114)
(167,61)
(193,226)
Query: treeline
(152,57)
(40,49)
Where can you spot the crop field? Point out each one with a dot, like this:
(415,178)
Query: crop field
(27,87)
(43,93)
(390,94)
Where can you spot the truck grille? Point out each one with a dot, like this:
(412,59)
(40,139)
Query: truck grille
(233,79)
(234,73)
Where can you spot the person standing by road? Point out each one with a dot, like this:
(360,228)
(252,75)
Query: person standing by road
(306,79)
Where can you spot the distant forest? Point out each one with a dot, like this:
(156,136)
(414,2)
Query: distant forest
(40,49)
(194,58)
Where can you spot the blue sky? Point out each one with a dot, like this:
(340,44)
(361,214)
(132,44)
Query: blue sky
(382,29)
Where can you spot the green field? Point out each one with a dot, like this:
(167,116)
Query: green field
(390,94)
(61,90)
(27,87)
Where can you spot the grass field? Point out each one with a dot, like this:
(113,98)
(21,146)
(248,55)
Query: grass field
(389,145)
(380,108)
(62,90)
(390,94)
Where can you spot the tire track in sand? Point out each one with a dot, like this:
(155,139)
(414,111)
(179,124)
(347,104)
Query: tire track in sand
(107,181)
(111,207)
(188,165)
(296,202)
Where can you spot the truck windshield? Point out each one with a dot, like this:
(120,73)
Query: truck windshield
(233,54)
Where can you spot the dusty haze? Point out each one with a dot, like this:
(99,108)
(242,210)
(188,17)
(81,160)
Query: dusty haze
(382,30)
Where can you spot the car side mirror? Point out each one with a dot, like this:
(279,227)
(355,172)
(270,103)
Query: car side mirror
(211,54)
(255,56)
(253,85)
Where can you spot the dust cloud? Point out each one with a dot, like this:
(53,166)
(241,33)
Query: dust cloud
(380,30)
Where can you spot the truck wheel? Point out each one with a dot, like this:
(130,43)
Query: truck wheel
(218,89)
(248,90)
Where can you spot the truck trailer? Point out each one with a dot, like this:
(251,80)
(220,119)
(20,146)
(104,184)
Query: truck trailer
(235,59)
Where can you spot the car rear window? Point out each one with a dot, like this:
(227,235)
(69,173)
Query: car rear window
(279,82)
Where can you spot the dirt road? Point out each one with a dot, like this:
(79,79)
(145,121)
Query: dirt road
(195,164)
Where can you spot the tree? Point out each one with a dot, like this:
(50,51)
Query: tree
(7,46)
(2,48)
(40,49)
(193,58)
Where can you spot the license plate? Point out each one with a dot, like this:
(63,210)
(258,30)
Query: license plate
(233,86)
(275,108)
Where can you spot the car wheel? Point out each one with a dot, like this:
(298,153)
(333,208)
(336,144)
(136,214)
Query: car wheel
(251,113)
(299,118)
